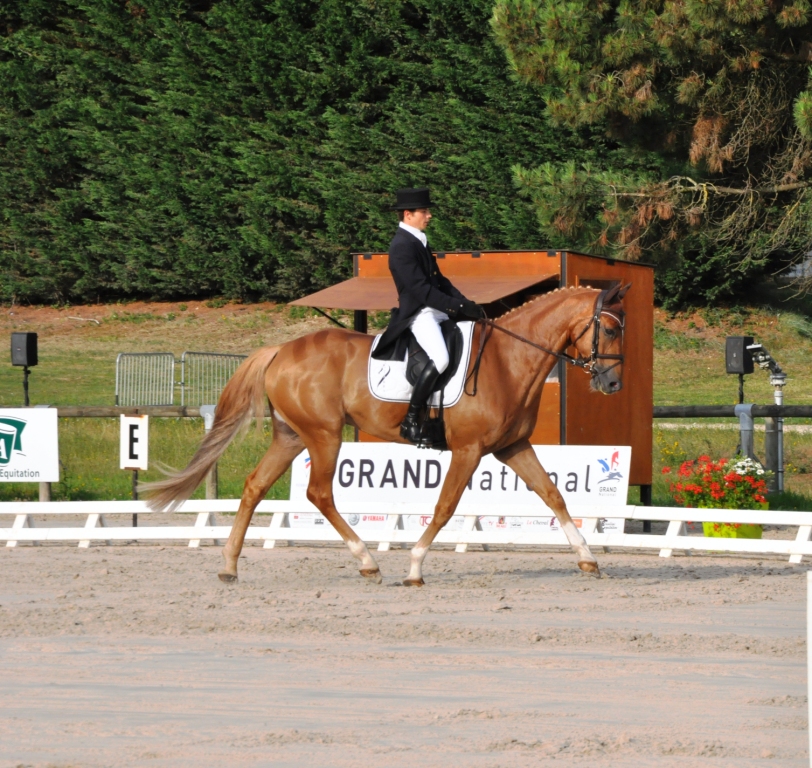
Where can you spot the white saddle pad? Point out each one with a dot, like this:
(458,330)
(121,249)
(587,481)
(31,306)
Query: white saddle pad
(387,378)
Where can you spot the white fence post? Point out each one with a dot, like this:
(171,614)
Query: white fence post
(20,521)
(94,520)
(204,520)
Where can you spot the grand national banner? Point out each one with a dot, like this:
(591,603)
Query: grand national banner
(586,475)
(29,445)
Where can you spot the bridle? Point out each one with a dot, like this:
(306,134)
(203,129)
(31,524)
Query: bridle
(587,364)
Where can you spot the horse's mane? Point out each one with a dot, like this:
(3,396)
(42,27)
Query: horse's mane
(544,297)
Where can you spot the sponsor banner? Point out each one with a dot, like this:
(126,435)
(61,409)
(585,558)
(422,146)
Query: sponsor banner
(386,472)
(585,474)
(29,445)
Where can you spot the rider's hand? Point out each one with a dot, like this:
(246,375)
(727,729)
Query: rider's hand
(471,310)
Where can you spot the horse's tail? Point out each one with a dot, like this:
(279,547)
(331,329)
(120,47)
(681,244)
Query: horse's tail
(242,399)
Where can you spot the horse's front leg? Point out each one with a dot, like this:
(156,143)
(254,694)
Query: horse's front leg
(522,459)
(463,464)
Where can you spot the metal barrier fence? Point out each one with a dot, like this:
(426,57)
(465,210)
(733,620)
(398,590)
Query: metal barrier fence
(204,374)
(146,378)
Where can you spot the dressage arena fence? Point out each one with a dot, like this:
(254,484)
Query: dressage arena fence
(402,524)
(148,378)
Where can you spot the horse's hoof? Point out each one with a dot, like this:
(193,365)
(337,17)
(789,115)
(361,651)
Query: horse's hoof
(590,567)
(373,574)
(227,578)
(414,583)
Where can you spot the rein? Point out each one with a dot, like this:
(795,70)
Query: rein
(586,363)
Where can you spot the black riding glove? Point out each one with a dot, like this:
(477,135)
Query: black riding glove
(470,310)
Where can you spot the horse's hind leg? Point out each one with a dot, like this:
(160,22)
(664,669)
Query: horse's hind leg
(522,459)
(324,456)
(286,446)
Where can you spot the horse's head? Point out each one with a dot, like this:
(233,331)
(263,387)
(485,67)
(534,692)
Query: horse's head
(599,340)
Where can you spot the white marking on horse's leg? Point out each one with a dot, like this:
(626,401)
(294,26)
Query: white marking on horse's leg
(577,542)
(416,567)
(360,551)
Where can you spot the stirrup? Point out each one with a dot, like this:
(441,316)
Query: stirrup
(411,430)
(432,434)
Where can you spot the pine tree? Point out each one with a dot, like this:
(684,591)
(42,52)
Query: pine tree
(711,98)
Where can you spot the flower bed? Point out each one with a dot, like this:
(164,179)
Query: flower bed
(724,484)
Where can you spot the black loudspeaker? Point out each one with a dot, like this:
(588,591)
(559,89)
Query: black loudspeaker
(737,357)
(24,349)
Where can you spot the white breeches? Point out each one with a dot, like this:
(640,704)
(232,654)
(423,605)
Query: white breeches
(426,329)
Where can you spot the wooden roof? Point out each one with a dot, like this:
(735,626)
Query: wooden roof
(379,293)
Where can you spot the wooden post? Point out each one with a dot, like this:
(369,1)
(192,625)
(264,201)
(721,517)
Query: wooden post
(211,483)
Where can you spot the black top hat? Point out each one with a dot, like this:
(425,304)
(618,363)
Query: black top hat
(412,199)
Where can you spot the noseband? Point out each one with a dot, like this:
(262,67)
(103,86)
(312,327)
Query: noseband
(588,364)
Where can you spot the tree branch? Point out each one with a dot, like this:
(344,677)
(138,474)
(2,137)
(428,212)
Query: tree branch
(705,186)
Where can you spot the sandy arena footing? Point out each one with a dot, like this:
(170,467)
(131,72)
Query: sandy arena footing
(138,655)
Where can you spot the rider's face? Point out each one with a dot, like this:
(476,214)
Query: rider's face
(418,219)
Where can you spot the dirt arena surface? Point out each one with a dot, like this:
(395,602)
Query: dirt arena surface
(138,655)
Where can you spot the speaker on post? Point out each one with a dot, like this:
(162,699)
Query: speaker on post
(24,349)
(737,357)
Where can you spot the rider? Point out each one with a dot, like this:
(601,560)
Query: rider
(425,299)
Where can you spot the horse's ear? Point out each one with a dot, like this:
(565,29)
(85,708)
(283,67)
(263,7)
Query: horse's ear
(611,295)
(622,292)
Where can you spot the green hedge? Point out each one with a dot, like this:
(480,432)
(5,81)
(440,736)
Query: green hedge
(243,148)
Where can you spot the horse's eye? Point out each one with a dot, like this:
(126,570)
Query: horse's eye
(610,333)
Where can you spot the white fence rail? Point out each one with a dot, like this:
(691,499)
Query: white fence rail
(101,525)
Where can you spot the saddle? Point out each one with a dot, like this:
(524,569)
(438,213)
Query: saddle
(407,348)
(418,359)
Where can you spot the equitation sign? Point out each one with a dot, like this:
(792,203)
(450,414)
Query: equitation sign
(586,475)
(29,445)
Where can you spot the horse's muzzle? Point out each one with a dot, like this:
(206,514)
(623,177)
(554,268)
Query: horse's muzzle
(606,380)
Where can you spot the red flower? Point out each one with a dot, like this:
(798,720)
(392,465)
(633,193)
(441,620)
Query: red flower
(666,470)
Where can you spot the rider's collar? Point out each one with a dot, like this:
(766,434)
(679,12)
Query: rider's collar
(420,235)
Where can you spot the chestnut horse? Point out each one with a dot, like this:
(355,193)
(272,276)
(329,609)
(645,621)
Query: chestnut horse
(318,383)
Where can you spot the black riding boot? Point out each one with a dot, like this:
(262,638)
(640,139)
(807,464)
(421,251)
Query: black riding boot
(410,428)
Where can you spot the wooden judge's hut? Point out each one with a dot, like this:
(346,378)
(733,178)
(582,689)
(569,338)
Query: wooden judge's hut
(569,413)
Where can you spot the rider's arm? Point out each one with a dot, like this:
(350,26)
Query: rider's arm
(411,279)
(445,284)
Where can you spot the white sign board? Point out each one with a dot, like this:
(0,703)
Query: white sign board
(134,442)
(29,445)
(586,475)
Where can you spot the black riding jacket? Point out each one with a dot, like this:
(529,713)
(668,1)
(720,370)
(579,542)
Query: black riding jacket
(420,284)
